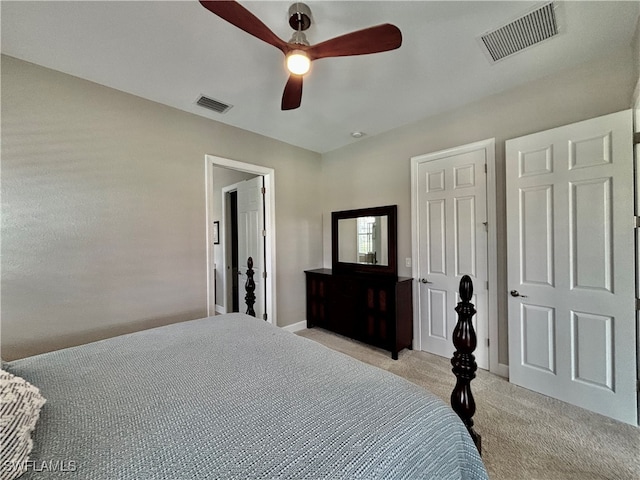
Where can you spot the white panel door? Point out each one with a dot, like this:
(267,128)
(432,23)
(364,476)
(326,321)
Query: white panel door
(452,242)
(251,241)
(571,267)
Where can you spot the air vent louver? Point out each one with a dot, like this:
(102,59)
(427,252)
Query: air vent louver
(530,29)
(213,104)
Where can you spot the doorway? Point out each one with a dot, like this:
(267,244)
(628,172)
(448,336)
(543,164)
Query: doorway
(231,288)
(233,217)
(216,253)
(243,227)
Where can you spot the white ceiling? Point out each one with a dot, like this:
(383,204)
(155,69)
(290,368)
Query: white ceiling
(171,52)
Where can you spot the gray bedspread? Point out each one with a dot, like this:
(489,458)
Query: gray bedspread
(232,397)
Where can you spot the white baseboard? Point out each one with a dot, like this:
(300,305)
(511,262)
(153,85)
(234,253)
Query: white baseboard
(296,327)
(502,370)
(220,309)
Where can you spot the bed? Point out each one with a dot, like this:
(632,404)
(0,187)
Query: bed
(233,397)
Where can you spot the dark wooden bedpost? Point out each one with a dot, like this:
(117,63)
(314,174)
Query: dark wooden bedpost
(250,288)
(463,361)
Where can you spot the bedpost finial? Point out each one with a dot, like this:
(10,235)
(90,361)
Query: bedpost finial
(466,288)
(250,288)
(463,361)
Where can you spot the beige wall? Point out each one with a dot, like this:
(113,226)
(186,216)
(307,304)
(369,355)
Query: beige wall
(103,211)
(376,171)
(103,204)
(636,64)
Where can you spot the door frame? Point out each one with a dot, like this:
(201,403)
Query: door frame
(489,146)
(636,194)
(211,161)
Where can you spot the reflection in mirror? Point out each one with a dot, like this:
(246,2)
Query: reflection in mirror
(363,240)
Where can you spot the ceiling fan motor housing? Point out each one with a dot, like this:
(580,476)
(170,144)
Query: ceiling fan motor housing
(299,16)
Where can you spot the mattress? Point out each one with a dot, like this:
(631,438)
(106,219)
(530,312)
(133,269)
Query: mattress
(233,397)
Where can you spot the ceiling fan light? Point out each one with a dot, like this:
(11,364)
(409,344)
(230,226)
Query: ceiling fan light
(298,62)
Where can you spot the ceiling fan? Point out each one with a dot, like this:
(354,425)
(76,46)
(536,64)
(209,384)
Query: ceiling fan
(299,54)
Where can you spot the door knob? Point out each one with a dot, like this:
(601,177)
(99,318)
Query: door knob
(516,293)
(424,280)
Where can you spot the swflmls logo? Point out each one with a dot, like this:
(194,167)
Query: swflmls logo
(43,466)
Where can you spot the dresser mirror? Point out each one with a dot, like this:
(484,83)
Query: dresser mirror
(364,240)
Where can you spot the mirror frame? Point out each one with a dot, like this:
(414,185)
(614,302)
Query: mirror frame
(391,211)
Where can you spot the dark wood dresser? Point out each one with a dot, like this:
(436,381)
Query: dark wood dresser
(377,310)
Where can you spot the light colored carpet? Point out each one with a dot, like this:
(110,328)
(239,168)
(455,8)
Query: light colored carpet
(525,435)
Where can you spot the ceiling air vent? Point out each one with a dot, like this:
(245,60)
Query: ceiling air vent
(212,104)
(524,32)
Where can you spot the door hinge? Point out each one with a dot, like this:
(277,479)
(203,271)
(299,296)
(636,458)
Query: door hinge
(637,385)
(637,303)
(486,226)
(485,168)
(636,138)
(488,343)
(264,317)
(636,222)
(263,190)
(264,274)
(264,233)
(487,284)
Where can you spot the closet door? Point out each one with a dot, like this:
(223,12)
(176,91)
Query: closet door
(451,215)
(571,272)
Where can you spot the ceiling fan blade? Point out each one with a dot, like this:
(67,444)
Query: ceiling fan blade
(376,39)
(292,96)
(237,15)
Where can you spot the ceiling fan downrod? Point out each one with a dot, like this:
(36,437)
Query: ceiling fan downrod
(299,16)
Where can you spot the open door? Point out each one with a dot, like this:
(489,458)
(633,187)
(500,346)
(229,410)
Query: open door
(251,241)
